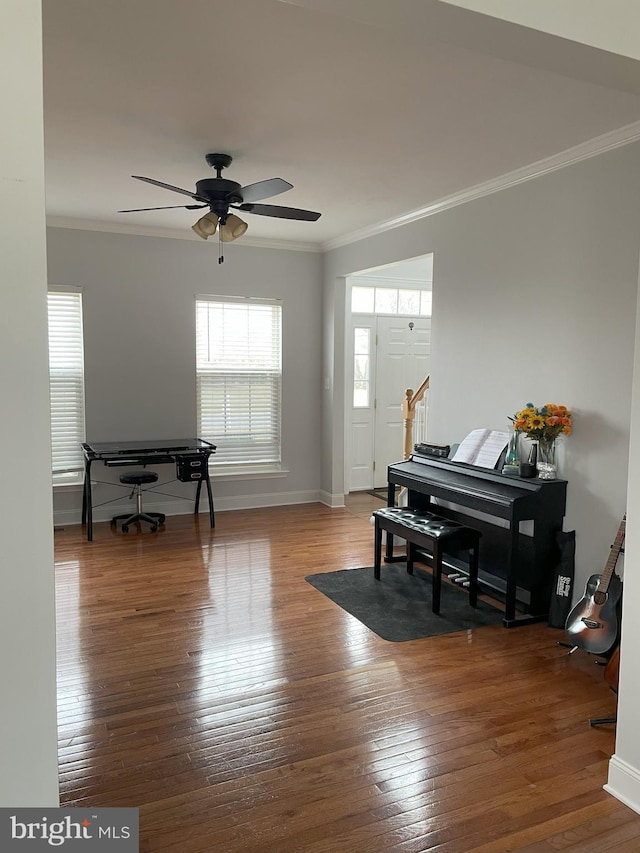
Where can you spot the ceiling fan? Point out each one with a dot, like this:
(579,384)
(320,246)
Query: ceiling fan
(221,195)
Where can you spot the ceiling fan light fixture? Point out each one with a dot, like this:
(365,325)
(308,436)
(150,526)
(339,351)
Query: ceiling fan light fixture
(206,226)
(220,194)
(233,228)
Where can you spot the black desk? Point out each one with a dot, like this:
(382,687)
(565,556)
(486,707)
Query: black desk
(116,454)
(518,566)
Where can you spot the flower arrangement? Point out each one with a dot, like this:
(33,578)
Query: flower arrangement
(545,423)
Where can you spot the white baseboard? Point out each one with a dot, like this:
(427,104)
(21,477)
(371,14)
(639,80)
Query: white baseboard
(264,500)
(624,783)
(62,518)
(333,501)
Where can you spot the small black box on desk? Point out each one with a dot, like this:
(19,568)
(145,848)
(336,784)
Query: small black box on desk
(191,467)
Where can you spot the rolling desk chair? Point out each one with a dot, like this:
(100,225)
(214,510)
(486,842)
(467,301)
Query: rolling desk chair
(137,479)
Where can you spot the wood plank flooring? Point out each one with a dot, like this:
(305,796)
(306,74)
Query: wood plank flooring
(203,680)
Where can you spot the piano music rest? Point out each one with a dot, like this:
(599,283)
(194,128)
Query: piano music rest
(426,530)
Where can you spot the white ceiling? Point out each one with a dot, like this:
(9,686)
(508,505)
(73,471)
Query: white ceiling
(371,109)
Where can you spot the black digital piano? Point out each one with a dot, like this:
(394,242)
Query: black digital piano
(518,519)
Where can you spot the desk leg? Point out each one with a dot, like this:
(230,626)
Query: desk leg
(212,520)
(84,496)
(87,502)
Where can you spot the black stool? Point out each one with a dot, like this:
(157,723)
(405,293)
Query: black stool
(137,479)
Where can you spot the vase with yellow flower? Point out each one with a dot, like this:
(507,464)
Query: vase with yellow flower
(544,424)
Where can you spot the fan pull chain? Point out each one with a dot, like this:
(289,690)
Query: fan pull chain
(220,255)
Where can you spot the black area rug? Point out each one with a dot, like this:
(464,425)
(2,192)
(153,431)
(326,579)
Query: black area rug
(398,606)
(381,493)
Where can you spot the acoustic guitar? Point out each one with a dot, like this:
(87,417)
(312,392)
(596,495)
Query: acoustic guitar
(593,623)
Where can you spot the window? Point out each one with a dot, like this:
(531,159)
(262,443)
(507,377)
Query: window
(367,299)
(239,379)
(361,367)
(66,383)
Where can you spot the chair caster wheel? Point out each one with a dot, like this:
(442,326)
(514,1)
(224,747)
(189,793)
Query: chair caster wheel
(162,519)
(154,527)
(125,528)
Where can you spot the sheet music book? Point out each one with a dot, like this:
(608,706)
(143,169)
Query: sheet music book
(482,447)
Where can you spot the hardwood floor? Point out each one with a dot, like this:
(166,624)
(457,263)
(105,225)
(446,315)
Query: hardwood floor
(202,680)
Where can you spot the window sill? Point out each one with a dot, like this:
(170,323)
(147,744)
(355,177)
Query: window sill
(76,486)
(247,474)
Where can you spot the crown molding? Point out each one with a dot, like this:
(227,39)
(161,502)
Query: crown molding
(585,150)
(591,148)
(172,234)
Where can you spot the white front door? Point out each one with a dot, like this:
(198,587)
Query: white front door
(403,354)
(390,354)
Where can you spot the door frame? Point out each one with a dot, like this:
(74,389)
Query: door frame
(369,321)
(401,275)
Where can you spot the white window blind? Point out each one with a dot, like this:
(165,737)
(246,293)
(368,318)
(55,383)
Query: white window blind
(239,379)
(66,381)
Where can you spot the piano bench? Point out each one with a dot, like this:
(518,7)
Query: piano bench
(437,535)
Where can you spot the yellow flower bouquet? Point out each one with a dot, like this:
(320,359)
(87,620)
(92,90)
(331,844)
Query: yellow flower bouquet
(545,423)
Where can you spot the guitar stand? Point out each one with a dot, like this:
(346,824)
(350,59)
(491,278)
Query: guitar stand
(602,720)
(597,721)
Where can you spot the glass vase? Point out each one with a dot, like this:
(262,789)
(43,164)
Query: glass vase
(512,457)
(546,464)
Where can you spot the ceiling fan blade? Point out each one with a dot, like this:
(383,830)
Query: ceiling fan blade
(168,187)
(170,207)
(280,212)
(264,189)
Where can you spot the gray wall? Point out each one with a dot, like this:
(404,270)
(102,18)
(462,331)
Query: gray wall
(139,327)
(28,738)
(624,767)
(534,295)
